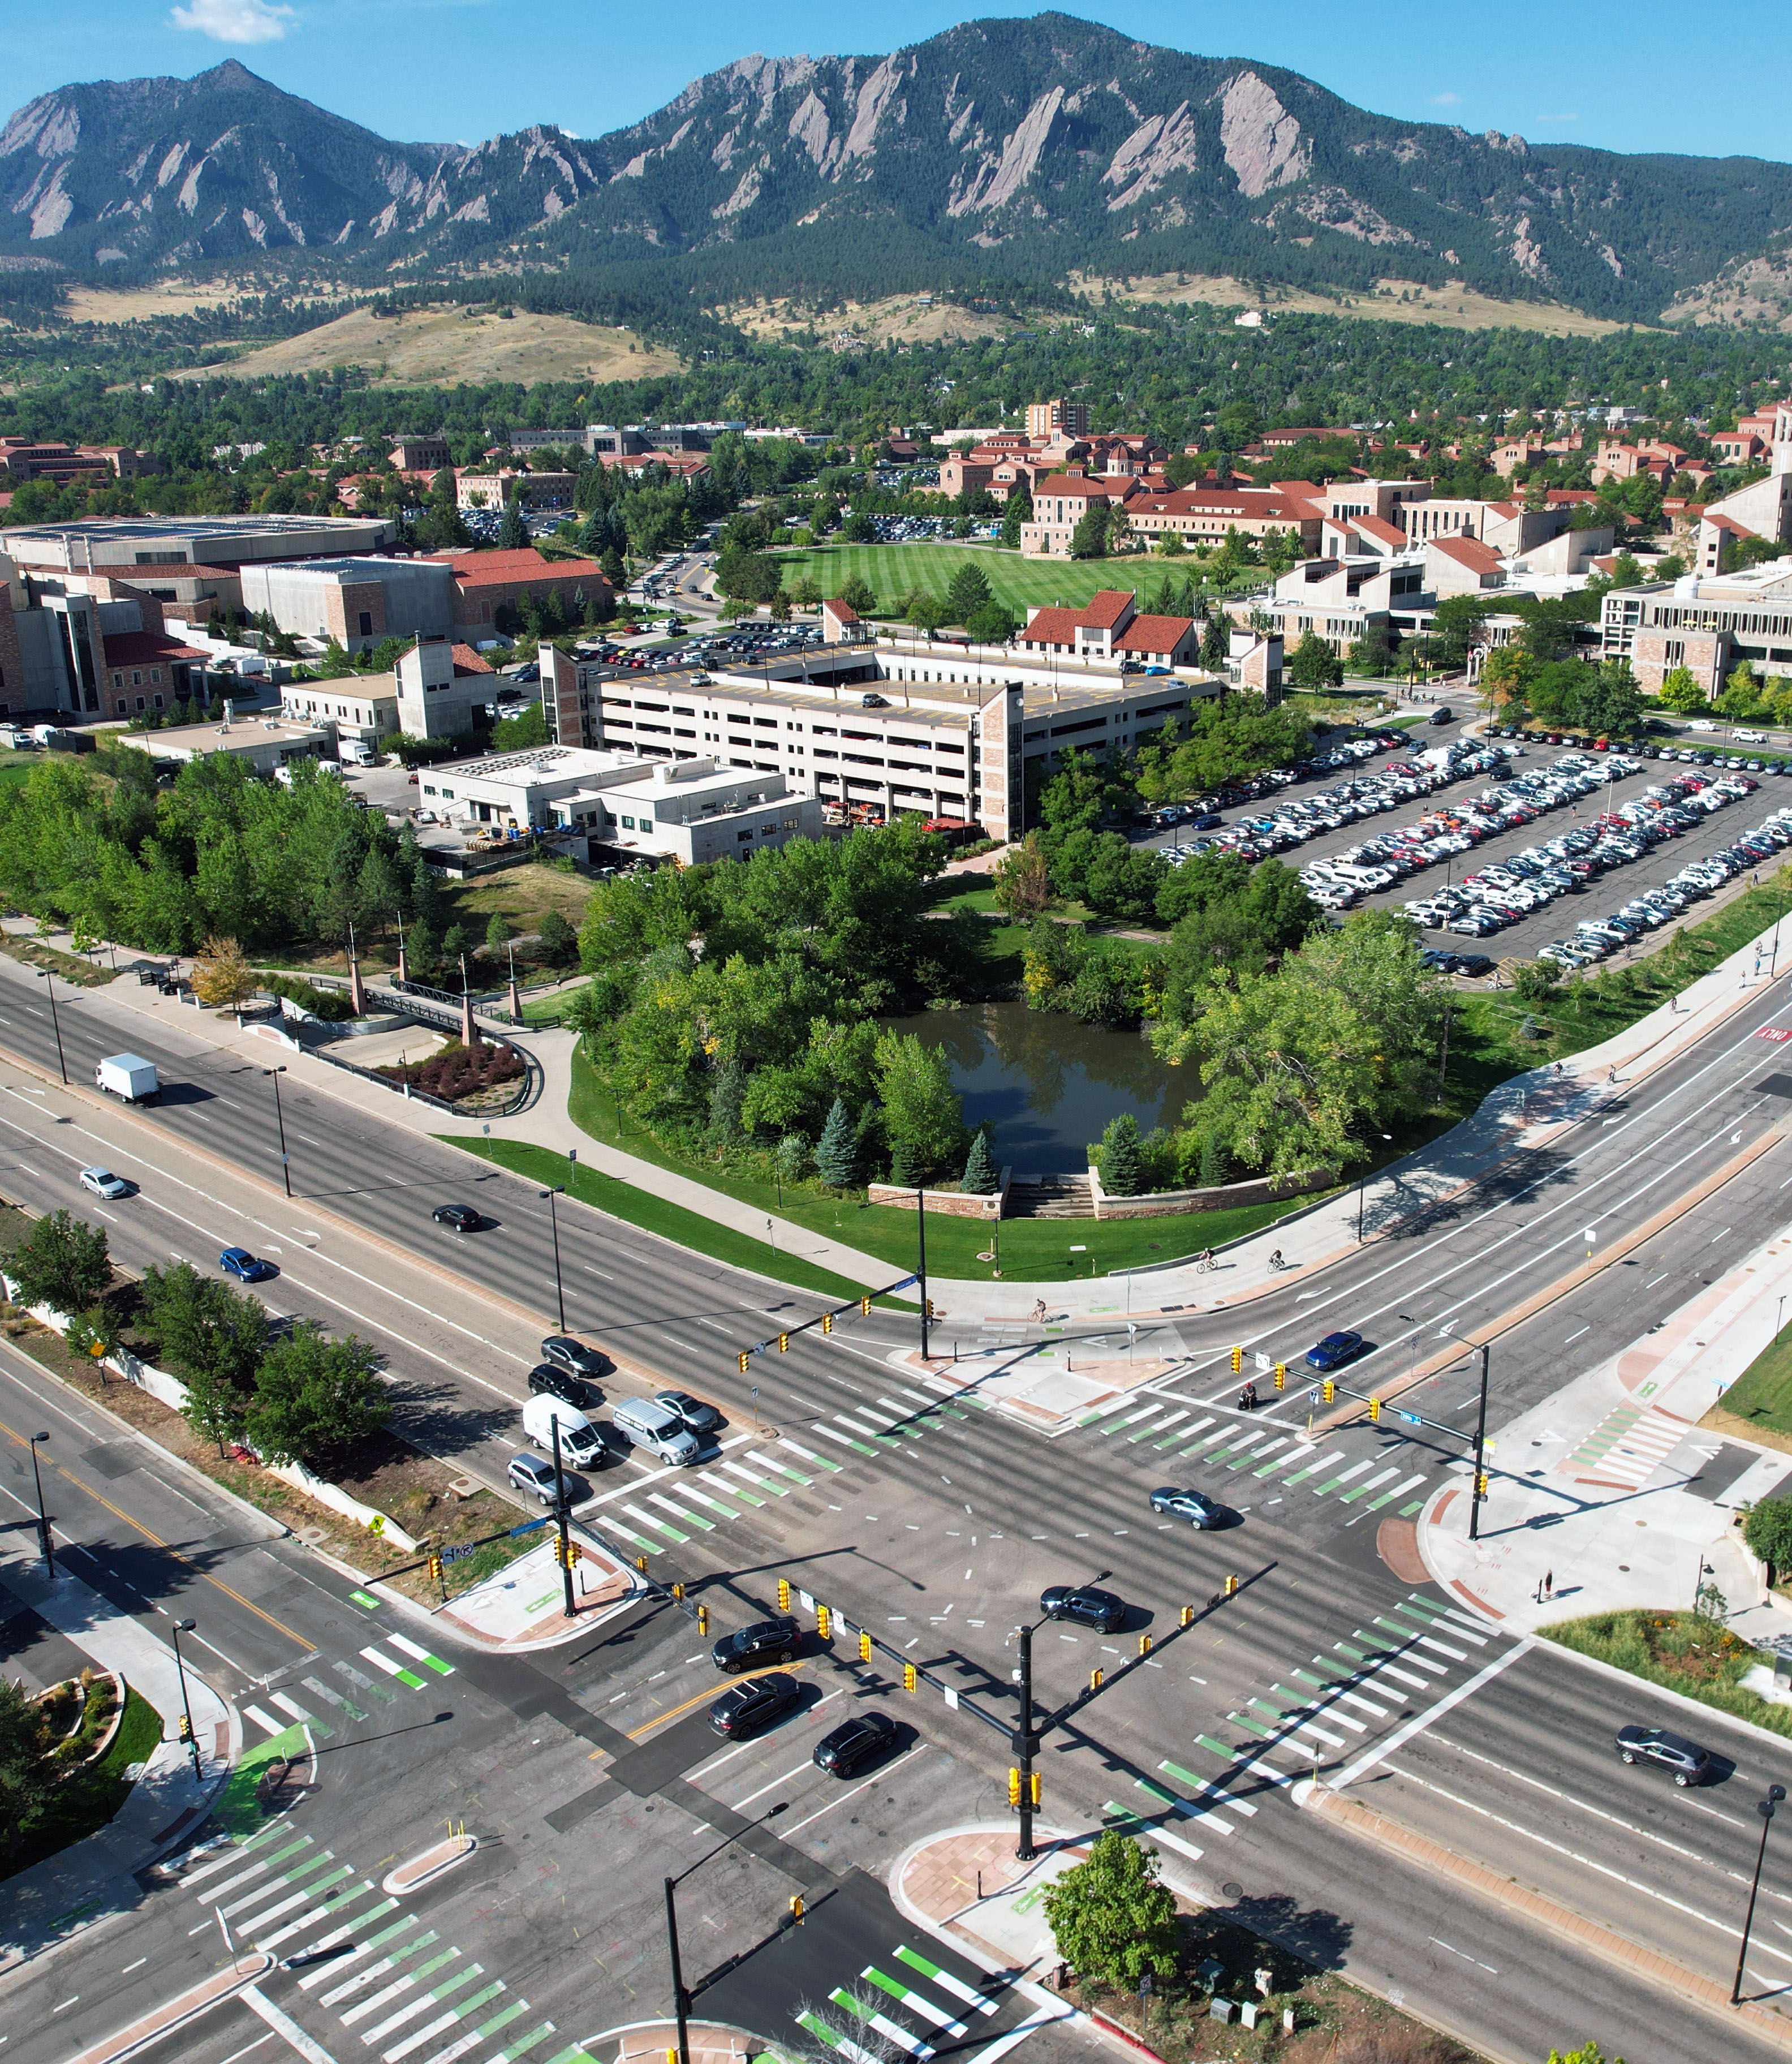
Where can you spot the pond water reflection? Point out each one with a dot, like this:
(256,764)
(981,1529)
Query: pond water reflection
(1049,1082)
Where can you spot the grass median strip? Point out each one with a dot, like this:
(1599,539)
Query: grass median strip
(1681,1652)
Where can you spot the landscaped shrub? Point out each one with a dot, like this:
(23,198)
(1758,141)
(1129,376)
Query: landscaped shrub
(458,1072)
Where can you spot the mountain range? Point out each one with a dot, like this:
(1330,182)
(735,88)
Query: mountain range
(1003,155)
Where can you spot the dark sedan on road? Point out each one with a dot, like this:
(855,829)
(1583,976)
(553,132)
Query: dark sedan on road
(463,1217)
(1189,1505)
(245,1267)
(697,1417)
(1085,1605)
(1686,1761)
(746,1708)
(765,1640)
(575,1357)
(866,1738)
(1334,1350)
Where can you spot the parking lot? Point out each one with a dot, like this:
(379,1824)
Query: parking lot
(1688,832)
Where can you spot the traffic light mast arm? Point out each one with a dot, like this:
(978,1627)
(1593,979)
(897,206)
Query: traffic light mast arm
(824,1320)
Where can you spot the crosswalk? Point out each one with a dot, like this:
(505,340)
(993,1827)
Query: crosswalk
(911,2010)
(1314,1714)
(345,1698)
(1628,1445)
(650,1512)
(397,1987)
(1267,1452)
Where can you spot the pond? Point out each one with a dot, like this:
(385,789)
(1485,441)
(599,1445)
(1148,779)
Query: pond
(1049,1082)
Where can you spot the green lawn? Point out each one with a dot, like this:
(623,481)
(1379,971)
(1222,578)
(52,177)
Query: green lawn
(1760,1399)
(895,571)
(83,1803)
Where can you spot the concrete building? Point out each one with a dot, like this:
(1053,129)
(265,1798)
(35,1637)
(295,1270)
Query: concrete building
(1763,510)
(531,490)
(356,601)
(118,545)
(424,454)
(1343,599)
(691,810)
(362,707)
(266,743)
(1706,624)
(1057,419)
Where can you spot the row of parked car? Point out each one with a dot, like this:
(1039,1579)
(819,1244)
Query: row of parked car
(1335,883)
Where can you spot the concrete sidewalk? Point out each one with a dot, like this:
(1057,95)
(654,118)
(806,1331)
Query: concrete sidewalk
(55,1899)
(1613,1488)
(523,1606)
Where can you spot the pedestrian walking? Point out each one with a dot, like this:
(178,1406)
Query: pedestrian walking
(1548,1584)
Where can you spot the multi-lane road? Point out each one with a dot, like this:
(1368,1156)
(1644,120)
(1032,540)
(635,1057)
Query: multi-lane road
(935,1522)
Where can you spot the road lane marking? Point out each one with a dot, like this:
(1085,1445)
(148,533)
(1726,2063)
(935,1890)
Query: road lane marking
(1419,1721)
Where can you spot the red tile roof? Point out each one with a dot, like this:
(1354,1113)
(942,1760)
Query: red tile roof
(1375,526)
(467,661)
(147,648)
(1468,552)
(507,569)
(1051,627)
(1154,634)
(1073,484)
(1105,607)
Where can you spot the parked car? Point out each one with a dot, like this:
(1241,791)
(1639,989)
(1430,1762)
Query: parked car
(1084,1605)
(1685,1760)
(775,1640)
(463,1217)
(1334,1350)
(103,1183)
(1201,1511)
(239,1262)
(865,1738)
(744,1709)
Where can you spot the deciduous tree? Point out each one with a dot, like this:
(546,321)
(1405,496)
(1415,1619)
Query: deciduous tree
(62,1262)
(315,1400)
(1112,1920)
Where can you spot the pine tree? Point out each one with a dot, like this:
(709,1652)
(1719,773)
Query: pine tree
(512,532)
(908,1168)
(725,1098)
(1122,1167)
(969,591)
(980,1179)
(837,1151)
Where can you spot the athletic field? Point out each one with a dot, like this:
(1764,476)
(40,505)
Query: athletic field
(894,571)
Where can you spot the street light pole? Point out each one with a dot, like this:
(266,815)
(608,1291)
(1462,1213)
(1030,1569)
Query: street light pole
(560,1517)
(1481,1454)
(559,1290)
(681,1993)
(1765,1808)
(44,1540)
(920,1269)
(186,1626)
(56,1023)
(286,1165)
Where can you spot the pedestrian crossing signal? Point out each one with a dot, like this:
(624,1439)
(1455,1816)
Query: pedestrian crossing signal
(824,1623)
(1281,1376)
(864,1646)
(1330,1391)
(1013,1788)
(827,1322)
(743,1358)
(908,1679)
(784,1594)
(783,1344)
(865,1307)
(1238,1360)
(1033,1789)
(1375,1411)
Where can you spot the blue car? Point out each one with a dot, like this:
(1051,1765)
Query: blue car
(1334,1350)
(239,1262)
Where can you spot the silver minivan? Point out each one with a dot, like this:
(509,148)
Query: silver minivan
(648,1424)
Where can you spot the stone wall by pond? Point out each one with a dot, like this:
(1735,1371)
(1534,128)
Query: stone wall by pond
(1173,1203)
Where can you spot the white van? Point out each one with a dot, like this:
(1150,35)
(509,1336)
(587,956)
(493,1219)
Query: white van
(649,1425)
(579,1444)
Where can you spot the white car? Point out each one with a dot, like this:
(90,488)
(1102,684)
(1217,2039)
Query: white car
(103,1183)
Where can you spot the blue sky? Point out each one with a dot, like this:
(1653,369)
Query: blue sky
(1556,71)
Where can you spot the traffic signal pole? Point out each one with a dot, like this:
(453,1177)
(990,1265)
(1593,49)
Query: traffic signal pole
(1024,1744)
(1478,1491)
(560,1515)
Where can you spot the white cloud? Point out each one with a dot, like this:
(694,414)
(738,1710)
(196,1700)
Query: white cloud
(1437,99)
(235,21)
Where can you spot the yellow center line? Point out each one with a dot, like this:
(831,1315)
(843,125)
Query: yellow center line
(738,1677)
(118,1512)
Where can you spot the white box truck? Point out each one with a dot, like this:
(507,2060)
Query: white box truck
(580,1446)
(128,1076)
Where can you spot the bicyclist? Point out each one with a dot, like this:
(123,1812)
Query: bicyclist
(1276,1260)
(1206,1259)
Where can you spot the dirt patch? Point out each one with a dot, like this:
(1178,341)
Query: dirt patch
(171,297)
(905,318)
(451,347)
(1451,307)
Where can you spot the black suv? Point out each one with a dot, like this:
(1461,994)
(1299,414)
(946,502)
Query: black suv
(766,1641)
(575,1356)
(1085,1605)
(545,1379)
(866,1738)
(463,1217)
(1687,1763)
(744,1709)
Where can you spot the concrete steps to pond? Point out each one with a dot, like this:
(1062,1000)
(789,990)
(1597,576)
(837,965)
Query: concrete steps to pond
(1050,1197)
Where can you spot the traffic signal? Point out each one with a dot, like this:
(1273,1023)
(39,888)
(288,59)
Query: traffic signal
(783,1344)
(908,1679)
(1096,1679)
(678,1594)
(435,1569)
(743,1358)
(1033,1790)
(796,1908)
(824,1623)
(865,1307)
(1480,1484)
(1231,1586)
(1329,1391)
(1013,1788)
(1375,1411)
(784,1594)
(573,1551)
(702,1619)
(864,1646)
(1145,1644)
(1238,1360)
(1281,1376)
(929,1302)
(1186,1617)
(641,1564)
(827,1322)
(186,1728)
